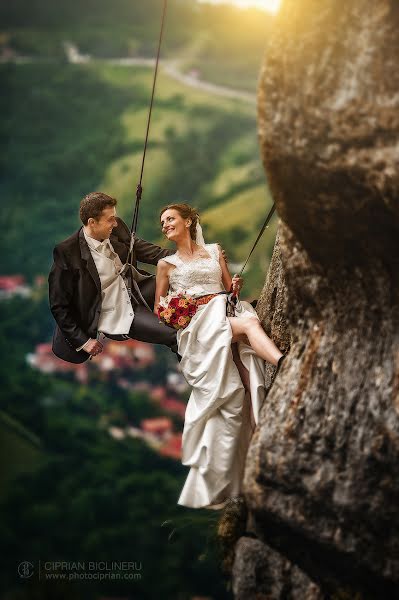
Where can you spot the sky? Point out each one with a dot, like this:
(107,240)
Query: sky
(271,6)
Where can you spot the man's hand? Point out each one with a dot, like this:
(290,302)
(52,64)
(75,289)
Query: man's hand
(93,347)
(224,254)
(237,283)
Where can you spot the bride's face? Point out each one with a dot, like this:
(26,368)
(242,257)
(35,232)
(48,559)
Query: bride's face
(173,225)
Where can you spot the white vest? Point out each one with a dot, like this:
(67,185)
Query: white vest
(116,310)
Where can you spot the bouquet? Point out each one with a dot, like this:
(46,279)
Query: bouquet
(176,310)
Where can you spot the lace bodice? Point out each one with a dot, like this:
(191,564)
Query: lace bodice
(198,276)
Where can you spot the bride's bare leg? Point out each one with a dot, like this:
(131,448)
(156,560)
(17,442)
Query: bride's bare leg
(258,339)
(245,380)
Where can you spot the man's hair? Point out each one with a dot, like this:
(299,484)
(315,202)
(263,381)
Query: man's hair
(93,205)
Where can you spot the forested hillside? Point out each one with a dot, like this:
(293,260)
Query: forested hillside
(70,129)
(226,44)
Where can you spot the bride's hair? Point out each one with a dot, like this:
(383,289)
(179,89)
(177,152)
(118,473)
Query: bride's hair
(187,212)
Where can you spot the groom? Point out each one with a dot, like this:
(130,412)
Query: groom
(88,295)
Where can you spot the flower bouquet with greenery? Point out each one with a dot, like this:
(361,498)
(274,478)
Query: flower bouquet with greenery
(176,310)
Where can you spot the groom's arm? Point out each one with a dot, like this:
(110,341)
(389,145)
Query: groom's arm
(146,252)
(151,253)
(61,292)
(162,282)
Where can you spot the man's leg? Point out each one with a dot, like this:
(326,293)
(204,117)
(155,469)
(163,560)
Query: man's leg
(147,328)
(147,289)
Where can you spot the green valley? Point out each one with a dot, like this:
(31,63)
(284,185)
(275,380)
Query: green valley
(70,129)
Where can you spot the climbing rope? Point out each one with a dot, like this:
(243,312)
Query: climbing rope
(232,297)
(265,224)
(139,189)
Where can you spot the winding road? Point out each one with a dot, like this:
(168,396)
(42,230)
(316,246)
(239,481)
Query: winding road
(169,67)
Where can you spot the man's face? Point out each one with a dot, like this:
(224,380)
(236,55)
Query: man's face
(102,227)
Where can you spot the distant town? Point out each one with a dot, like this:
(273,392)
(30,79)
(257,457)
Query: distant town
(117,359)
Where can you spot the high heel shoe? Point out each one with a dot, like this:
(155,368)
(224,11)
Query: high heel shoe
(280,362)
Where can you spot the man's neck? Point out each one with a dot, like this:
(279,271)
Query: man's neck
(92,235)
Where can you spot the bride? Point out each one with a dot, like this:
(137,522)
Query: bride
(222,359)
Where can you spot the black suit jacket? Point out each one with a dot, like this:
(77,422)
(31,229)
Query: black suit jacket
(75,288)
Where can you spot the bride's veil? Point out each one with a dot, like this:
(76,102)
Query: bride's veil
(199,238)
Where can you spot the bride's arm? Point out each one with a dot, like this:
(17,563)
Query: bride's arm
(162,282)
(227,280)
(226,277)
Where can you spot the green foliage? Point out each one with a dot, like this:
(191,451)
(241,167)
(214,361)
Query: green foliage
(21,444)
(91,498)
(74,493)
(59,129)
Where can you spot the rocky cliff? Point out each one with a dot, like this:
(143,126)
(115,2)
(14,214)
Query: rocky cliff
(322,473)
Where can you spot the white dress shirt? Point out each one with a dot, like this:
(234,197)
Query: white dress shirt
(116,309)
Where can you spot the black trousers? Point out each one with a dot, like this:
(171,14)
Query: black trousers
(145,326)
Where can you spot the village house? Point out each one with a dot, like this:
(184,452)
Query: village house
(13,285)
(46,362)
(131,354)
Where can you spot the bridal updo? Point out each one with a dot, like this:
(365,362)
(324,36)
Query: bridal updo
(187,212)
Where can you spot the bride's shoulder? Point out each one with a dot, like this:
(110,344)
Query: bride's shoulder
(214,249)
(164,262)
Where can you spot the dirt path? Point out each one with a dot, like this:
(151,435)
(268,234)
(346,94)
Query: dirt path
(169,67)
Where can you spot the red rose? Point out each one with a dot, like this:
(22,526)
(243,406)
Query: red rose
(179,311)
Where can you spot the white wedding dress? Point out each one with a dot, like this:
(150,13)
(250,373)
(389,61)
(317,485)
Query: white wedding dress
(217,427)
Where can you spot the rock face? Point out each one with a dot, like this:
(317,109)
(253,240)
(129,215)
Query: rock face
(322,474)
